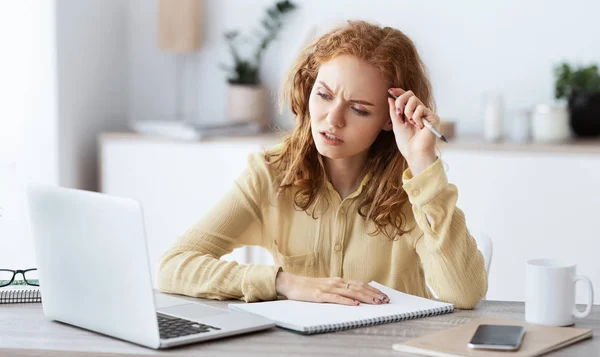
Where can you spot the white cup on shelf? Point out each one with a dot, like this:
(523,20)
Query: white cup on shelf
(520,125)
(550,293)
(550,123)
(493,116)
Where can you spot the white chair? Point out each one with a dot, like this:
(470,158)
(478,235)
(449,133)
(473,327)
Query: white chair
(486,247)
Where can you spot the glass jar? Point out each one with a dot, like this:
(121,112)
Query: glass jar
(550,123)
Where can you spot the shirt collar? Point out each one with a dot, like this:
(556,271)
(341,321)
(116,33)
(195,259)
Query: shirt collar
(363,183)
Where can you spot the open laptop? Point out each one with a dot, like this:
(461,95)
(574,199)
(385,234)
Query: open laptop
(94,271)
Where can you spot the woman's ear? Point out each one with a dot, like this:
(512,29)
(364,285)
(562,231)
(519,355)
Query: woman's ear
(388,125)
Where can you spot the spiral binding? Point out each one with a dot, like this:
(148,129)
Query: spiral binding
(20,296)
(379,320)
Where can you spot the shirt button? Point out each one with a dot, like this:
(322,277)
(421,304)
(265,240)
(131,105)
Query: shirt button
(416,192)
(337,247)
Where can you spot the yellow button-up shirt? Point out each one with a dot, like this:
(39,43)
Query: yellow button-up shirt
(439,249)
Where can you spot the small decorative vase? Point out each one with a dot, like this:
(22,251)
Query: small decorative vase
(585,114)
(247,103)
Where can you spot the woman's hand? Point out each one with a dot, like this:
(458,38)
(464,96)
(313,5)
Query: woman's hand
(332,290)
(415,142)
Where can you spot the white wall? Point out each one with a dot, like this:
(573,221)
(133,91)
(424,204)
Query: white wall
(16,56)
(469,46)
(70,75)
(29,122)
(92,38)
(27,38)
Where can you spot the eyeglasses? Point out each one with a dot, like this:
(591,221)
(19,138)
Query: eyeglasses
(30,277)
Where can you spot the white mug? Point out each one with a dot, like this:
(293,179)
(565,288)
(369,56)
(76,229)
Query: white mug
(550,293)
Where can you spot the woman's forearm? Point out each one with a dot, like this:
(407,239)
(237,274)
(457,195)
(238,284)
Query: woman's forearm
(202,275)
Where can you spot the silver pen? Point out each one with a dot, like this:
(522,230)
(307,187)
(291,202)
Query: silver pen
(425,123)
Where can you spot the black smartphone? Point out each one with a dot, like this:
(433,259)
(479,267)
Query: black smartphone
(497,337)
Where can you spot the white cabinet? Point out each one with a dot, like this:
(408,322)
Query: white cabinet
(531,200)
(176,181)
(532,205)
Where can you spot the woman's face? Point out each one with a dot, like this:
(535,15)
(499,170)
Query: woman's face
(348,107)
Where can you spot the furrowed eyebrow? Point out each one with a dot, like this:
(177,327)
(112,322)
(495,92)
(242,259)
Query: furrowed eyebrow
(357,101)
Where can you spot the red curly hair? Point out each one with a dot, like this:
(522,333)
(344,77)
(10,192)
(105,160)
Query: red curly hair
(299,164)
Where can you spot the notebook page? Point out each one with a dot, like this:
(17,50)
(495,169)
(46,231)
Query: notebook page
(301,314)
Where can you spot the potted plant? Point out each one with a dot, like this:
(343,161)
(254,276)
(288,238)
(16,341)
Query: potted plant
(247,98)
(581,87)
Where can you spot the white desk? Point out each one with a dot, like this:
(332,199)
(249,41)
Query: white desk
(25,332)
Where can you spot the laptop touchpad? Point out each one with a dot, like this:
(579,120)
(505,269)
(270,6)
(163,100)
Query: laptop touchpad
(192,311)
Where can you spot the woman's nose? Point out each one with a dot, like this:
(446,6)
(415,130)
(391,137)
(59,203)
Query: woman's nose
(335,117)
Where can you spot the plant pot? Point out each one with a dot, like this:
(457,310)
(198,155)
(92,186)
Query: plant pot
(247,103)
(585,114)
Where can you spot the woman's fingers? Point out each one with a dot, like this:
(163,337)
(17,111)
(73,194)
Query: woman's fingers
(376,293)
(336,290)
(356,294)
(361,293)
(402,101)
(394,114)
(396,91)
(418,115)
(337,299)
(411,106)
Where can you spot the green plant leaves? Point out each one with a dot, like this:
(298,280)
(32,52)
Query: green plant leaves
(573,81)
(247,71)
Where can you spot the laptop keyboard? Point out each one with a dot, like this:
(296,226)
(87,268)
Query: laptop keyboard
(171,327)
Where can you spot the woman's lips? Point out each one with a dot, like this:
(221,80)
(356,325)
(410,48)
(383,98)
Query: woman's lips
(331,139)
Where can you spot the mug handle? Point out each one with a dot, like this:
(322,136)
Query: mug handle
(588,308)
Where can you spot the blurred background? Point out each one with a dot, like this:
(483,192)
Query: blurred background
(144,99)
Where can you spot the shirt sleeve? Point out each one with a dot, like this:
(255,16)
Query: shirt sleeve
(453,266)
(192,266)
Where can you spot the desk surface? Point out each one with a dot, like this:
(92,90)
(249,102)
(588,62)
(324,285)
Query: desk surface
(25,331)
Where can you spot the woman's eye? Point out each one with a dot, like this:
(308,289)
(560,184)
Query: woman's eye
(323,95)
(357,111)
(360,112)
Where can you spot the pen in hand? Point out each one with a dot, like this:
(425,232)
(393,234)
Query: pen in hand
(425,123)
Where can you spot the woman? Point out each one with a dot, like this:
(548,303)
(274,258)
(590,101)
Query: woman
(355,194)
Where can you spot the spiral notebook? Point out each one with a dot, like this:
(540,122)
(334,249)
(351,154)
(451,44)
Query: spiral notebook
(16,294)
(310,318)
